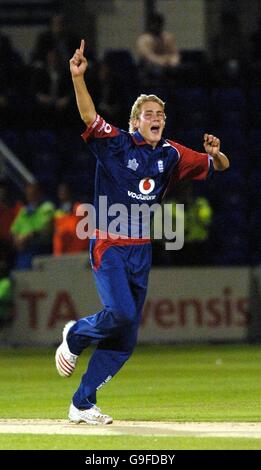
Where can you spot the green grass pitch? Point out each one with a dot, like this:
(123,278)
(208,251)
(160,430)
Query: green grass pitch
(159,383)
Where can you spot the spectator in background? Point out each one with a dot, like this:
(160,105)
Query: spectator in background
(8,212)
(229,49)
(157,49)
(52,91)
(11,80)
(65,239)
(32,228)
(65,200)
(6,295)
(57,37)
(111,100)
(197,220)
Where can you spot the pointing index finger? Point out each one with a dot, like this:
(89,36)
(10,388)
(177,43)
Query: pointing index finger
(82,45)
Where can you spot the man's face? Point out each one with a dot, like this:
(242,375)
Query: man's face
(151,122)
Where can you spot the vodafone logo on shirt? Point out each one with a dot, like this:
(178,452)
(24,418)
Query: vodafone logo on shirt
(146,185)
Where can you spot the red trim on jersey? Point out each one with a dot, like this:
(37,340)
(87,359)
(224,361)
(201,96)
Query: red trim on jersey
(191,165)
(137,141)
(107,240)
(100,129)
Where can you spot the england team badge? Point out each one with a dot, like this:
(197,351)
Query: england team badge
(160,166)
(133,164)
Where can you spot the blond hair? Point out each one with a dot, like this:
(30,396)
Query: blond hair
(136,108)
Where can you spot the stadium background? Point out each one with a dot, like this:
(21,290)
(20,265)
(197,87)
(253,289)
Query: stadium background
(203,96)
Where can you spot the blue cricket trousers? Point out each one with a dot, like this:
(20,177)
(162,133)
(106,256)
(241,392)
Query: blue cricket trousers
(121,275)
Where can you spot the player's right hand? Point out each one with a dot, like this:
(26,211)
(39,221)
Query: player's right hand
(78,63)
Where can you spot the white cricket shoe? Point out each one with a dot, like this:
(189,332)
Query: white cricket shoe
(91,416)
(65,361)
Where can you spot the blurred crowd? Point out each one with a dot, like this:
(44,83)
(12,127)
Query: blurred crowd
(37,225)
(39,93)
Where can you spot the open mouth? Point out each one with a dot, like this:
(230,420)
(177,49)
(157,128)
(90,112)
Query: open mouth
(155,129)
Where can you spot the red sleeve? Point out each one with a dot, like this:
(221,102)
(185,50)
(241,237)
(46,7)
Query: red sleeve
(100,129)
(191,165)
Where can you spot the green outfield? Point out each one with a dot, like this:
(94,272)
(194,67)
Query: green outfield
(160,383)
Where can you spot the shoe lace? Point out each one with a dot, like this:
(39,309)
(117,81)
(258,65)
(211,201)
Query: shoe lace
(69,357)
(97,411)
(72,358)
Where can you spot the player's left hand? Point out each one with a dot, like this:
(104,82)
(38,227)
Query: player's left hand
(211,144)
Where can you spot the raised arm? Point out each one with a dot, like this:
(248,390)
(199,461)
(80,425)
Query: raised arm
(212,147)
(78,66)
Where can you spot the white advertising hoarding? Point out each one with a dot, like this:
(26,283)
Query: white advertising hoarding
(190,304)
(196,305)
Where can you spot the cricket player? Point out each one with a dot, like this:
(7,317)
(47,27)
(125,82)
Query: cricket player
(132,167)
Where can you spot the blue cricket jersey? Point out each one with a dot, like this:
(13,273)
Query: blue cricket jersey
(129,171)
